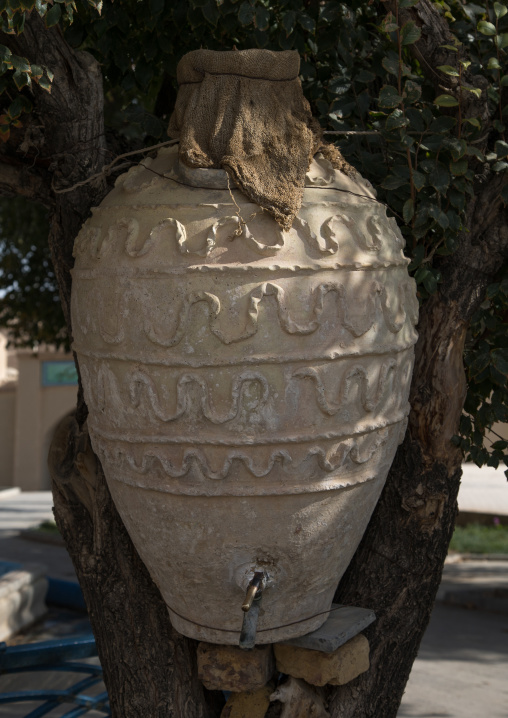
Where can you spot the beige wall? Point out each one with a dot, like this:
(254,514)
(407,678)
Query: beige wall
(38,410)
(29,413)
(7,413)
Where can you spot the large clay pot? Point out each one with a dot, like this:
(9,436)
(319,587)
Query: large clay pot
(246,393)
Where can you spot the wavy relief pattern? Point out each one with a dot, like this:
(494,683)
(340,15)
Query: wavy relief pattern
(142,385)
(91,240)
(369,393)
(359,450)
(395,320)
(373,226)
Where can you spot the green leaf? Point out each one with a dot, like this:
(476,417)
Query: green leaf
(408,210)
(418,180)
(448,70)
(261,38)
(440,216)
(156,7)
(493,64)
(430,282)
(473,90)
(499,358)
(339,86)
(474,121)
(20,63)
(416,120)
(392,182)
(289,21)
(500,9)
(152,126)
(500,166)
(473,151)
(410,33)
(457,147)
(306,22)
(418,257)
(458,199)
(391,65)
(486,28)
(37,72)
(262,18)
(479,363)
(504,81)
(421,274)
(501,148)
(396,120)
(365,77)
(500,445)
(389,97)
(5,54)
(503,40)
(450,47)
(446,101)
(246,13)
(443,124)
(412,91)
(439,178)
(21,79)
(500,379)
(53,16)
(18,106)
(211,14)
(45,83)
(459,168)
(389,24)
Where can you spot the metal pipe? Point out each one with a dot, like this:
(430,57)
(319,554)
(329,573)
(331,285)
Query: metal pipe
(251,607)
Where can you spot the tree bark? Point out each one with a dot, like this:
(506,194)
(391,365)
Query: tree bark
(397,568)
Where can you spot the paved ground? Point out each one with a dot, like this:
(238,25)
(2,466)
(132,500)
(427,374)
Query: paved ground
(461,668)
(460,671)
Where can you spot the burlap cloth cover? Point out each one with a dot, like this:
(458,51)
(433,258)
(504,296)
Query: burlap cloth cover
(244,111)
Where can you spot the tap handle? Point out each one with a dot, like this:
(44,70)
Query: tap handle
(255,587)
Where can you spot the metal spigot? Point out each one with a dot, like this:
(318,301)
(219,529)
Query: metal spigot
(250,607)
(255,586)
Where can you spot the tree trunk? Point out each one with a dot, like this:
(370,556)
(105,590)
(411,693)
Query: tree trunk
(150,669)
(397,568)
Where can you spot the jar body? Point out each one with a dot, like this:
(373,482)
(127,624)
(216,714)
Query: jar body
(247,387)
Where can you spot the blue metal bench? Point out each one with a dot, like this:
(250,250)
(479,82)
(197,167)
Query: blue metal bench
(62,655)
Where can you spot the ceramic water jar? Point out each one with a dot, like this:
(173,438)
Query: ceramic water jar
(247,387)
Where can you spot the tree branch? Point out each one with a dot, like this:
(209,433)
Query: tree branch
(430,53)
(18,181)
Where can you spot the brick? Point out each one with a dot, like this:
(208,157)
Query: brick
(318,668)
(229,668)
(250,704)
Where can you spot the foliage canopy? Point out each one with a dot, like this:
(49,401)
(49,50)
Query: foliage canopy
(417,135)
